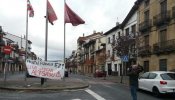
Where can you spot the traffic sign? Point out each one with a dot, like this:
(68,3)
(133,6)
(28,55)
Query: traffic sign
(124,58)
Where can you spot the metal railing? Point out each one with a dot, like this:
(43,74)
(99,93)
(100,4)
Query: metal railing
(144,50)
(161,18)
(145,25)
(165,46)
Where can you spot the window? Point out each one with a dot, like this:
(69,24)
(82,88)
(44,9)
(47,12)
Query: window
(109,40)
(115,67)
(146,66)
(152,75)
(146,3)
(127,31)
(163,7)
(144,76)
(113,38)
(173,12)
(108,53)
(133,49)
(146,40)
(163,64)
(168,76)
(146,15)
(133,30)
(119,34)
(162,36)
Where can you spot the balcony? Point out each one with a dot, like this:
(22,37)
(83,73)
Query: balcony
(144,51)
(161,18)
(145,25)
(89,61)
(165,47)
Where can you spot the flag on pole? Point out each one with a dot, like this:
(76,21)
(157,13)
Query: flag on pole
(30,9)
(71,17)
(51,13)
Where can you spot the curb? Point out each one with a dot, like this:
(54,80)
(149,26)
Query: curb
(43,89)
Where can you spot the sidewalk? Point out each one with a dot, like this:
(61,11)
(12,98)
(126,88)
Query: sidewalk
(17,82)
(115,79)
(33,84)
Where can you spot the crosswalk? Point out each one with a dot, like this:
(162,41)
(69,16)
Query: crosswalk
(95,95)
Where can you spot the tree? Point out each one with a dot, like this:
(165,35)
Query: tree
(123,44)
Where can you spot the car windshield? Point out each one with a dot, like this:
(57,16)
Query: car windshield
(168,76)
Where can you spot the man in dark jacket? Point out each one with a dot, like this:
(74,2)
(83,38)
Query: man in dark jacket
(133,73)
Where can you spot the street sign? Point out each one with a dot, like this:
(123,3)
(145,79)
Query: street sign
(7,50)
(125,58)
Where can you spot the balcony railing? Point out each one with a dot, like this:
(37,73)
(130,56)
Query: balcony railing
(161,18)
(144,51)
(164,47)
(145,25)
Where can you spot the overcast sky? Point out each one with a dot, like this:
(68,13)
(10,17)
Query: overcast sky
(99,15)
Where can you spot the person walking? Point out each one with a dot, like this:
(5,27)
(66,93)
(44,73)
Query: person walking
(133,73)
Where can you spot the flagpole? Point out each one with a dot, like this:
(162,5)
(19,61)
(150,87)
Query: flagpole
(64,34)
(26,36)
(46,38)
(64,39)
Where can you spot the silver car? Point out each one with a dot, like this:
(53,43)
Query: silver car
(157,82)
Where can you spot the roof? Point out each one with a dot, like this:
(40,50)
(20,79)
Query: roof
(82,39)
(113,29)
(131,12)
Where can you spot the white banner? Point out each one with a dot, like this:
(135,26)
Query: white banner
(45,69)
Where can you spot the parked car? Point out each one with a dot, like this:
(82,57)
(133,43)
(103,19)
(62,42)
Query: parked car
(158,82)
(100,73)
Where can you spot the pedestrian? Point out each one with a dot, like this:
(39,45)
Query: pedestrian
(70,71)
(133,73)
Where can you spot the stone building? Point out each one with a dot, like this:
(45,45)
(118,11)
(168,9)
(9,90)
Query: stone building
(157,41)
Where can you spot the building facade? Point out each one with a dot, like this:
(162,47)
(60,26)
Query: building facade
(130,32)
(113,62)
(86,53)
(157,40)
(13,53)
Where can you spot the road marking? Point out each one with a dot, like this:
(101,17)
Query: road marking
(95,95)
(76,99)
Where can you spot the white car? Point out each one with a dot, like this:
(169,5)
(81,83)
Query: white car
(157,82)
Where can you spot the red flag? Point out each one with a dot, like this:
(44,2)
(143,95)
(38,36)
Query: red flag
(30,9)
(72,17)
(51,13)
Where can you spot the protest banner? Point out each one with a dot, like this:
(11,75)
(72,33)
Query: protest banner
(45,69)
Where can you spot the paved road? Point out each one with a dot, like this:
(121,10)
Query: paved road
(99,90)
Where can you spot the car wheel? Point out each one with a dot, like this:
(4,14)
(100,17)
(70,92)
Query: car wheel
(156,92)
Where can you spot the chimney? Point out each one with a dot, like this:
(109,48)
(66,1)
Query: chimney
(117,23)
